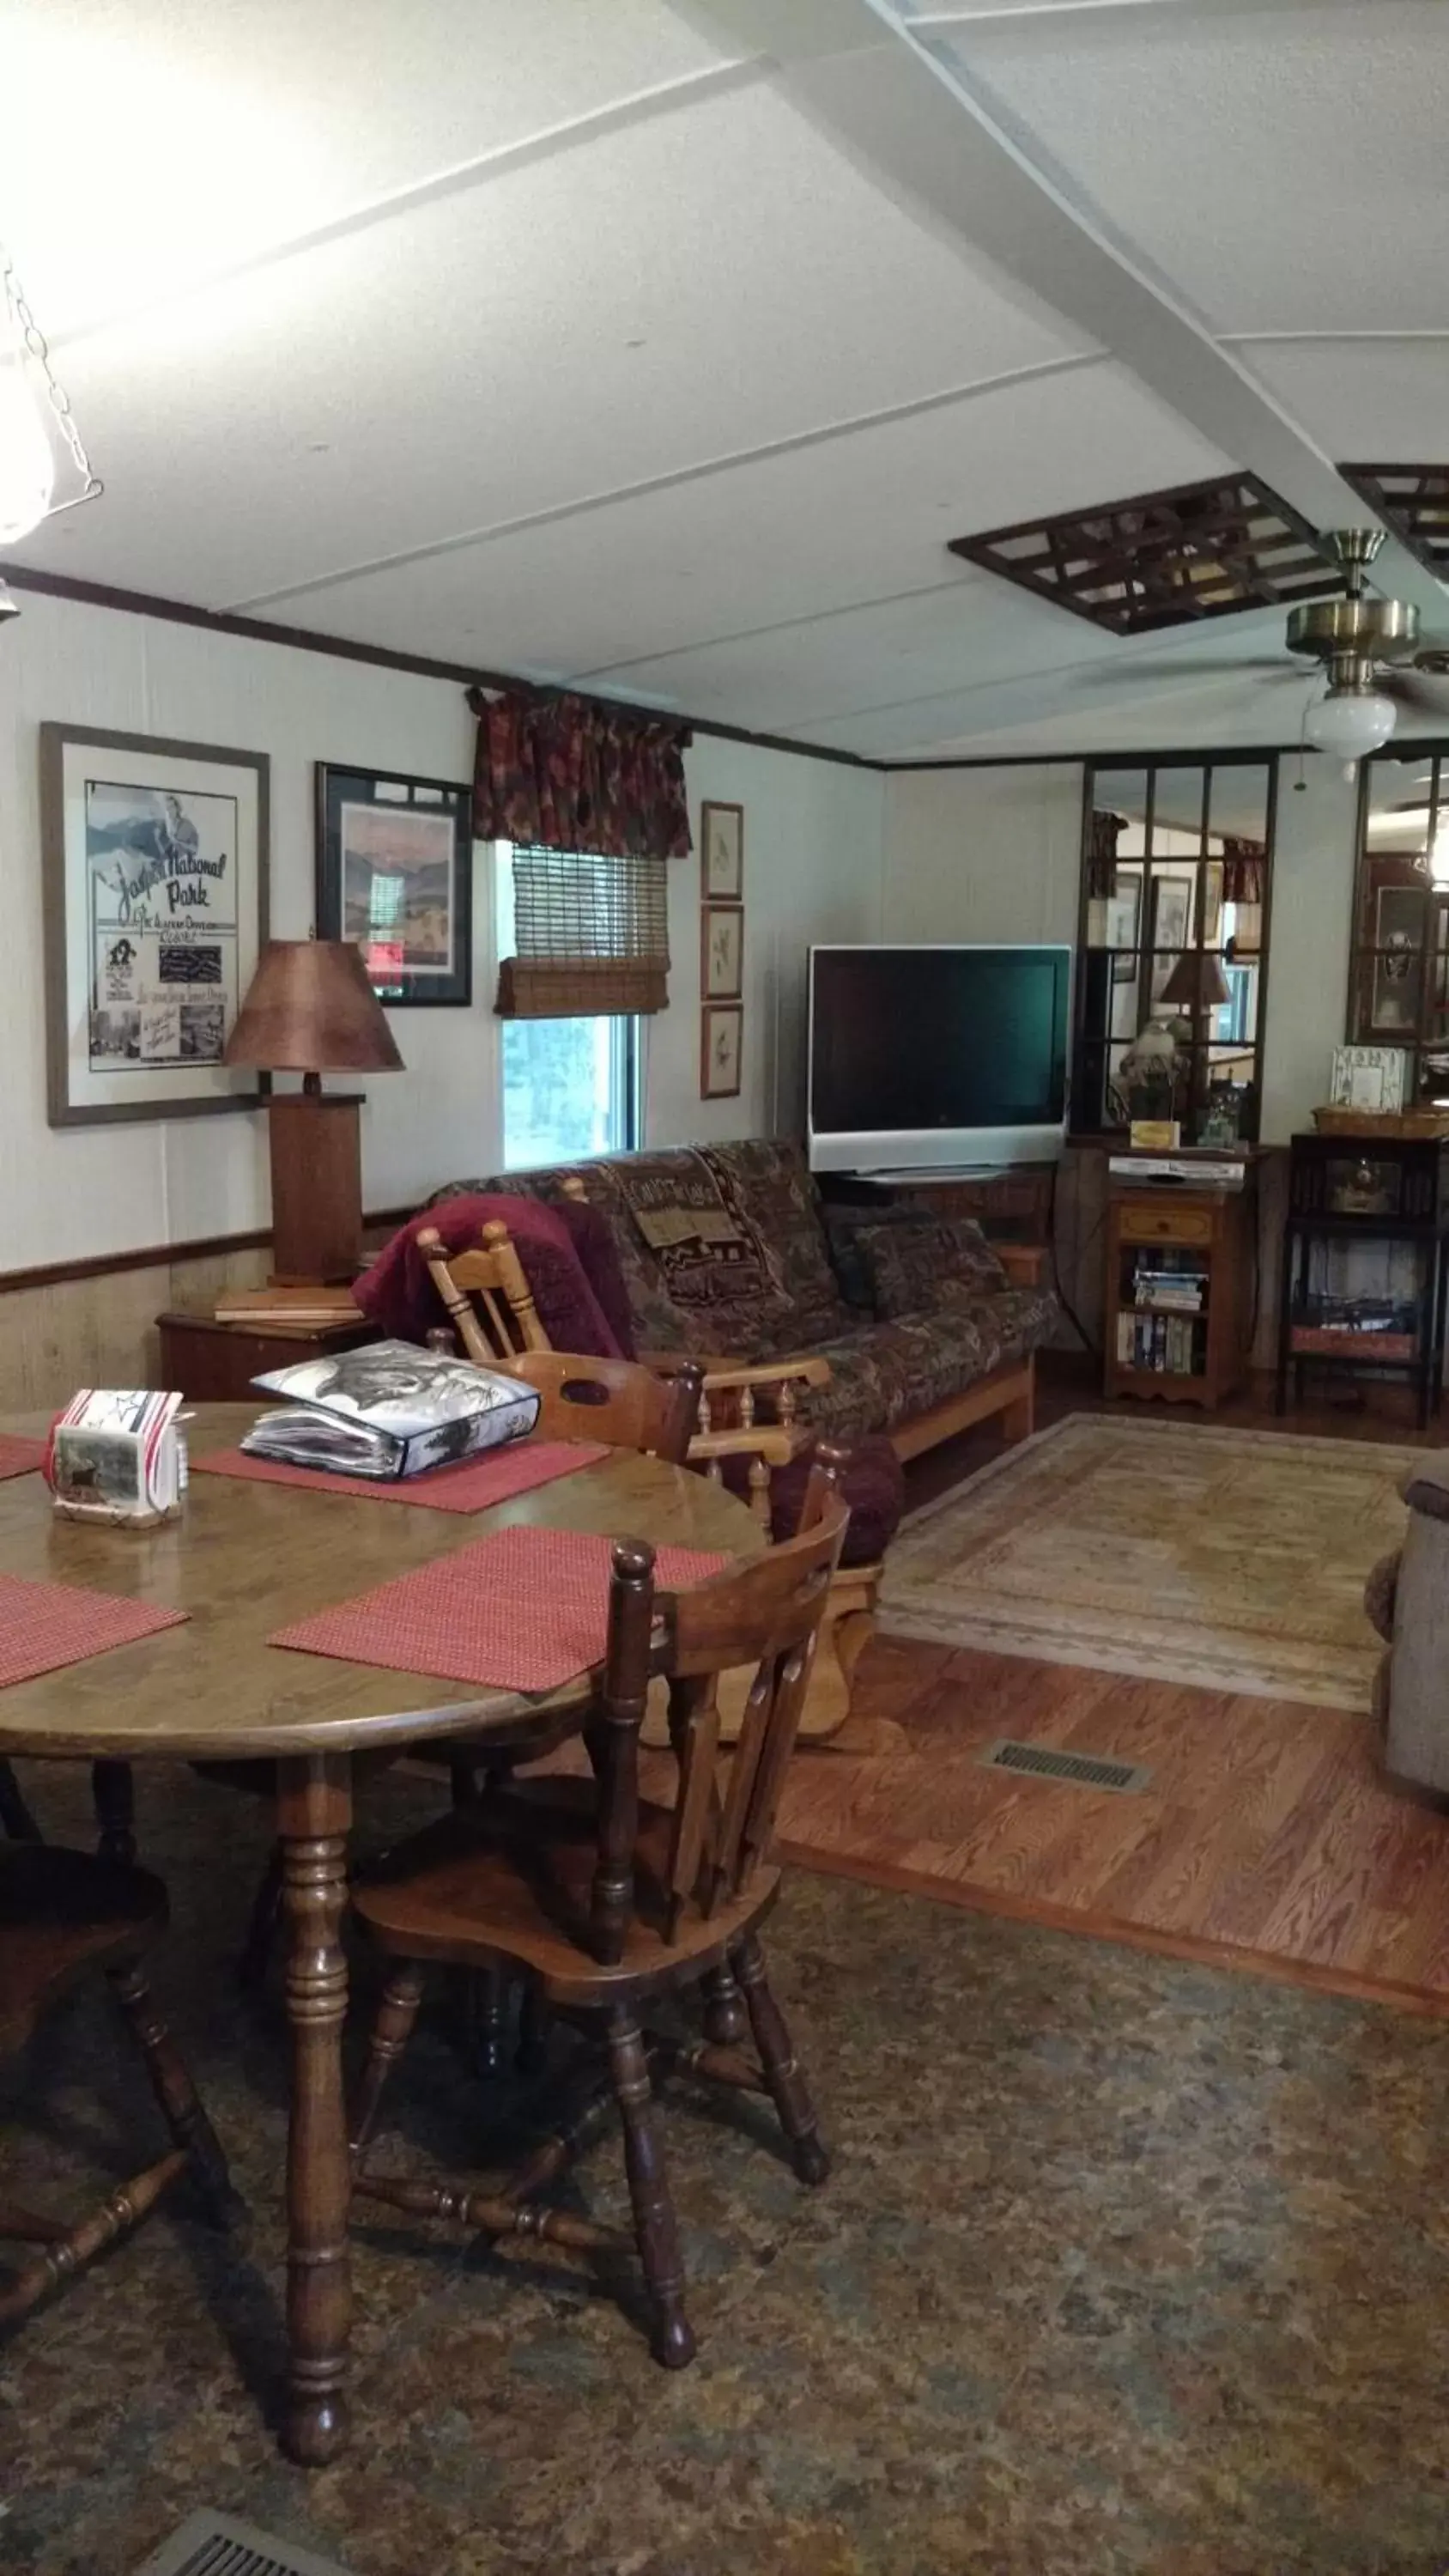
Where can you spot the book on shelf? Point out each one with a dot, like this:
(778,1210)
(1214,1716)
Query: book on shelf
(1163,1344)
(309,1305)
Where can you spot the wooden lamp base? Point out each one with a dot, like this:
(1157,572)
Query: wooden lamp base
(316,1147)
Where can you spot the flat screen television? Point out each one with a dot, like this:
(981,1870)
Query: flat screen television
(936,1057)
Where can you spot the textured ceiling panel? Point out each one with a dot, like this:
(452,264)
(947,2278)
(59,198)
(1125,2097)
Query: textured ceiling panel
(783,538)
(1284,168)
(584,323)
(1357,397)
(190,136)
(797,677)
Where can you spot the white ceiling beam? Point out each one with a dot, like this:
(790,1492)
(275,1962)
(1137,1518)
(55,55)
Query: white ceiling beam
(897,99)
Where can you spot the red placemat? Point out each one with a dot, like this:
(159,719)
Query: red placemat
(524,1610)
(470,1486)
(46,1625)
(19,1457)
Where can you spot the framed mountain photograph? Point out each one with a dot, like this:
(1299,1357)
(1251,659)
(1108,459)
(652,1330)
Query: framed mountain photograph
(395,874)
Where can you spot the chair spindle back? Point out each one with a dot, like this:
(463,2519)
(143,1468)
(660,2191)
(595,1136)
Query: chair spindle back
(486,1292)
(767,1614)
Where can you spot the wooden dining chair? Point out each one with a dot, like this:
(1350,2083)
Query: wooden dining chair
(64,1915)
(486,1292)
(617,1401)
(604,1902)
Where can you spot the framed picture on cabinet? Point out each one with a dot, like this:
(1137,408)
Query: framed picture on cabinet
(154,857)
(721,1050)
(395,875)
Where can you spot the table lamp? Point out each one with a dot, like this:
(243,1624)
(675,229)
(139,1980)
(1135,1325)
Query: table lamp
(310,1009)
(1197,983)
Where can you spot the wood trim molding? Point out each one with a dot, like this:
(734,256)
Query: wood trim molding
(342,648)
(160,1256)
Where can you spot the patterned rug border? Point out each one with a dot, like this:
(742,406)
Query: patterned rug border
(1040,1638)
(1153,1428)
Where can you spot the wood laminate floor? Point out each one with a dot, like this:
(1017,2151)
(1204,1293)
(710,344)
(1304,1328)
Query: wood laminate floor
(1268,1838)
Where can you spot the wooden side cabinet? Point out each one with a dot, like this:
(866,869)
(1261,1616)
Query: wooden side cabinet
(211,1363)
(1178,1311)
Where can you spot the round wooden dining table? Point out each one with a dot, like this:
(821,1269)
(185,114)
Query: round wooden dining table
(245,1559)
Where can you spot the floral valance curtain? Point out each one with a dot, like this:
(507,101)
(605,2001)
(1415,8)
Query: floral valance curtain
(1103,833)
(568,773)
(1244,865)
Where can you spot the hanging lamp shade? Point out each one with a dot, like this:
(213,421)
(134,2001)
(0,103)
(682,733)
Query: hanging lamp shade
(310,1009)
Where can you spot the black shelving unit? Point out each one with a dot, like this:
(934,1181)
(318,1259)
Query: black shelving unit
(1367,1189)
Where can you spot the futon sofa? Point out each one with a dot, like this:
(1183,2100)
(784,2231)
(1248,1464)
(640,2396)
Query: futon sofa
(729,1251)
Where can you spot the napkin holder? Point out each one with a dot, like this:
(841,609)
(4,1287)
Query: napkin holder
(116,1455)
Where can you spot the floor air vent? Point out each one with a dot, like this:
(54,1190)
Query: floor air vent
(210,2544)
(1049,1762)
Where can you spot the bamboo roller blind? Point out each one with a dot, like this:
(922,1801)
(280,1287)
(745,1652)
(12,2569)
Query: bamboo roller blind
(591,937)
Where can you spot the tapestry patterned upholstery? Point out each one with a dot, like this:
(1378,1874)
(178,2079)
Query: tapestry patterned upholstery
(886,1373)
(883,1371)
(912,1268)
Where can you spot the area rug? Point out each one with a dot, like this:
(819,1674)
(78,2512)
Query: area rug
(1179,1552)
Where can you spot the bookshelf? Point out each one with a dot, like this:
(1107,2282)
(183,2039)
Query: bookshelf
(1178,1310)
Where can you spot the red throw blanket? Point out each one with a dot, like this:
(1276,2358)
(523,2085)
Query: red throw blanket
(568,1257)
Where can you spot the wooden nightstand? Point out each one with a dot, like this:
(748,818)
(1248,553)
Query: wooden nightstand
(1177,1317)
(213,1363)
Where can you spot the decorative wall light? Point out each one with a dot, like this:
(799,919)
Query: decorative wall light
(37,425)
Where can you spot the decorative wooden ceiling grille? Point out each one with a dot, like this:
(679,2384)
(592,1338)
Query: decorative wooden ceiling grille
(1414,499)
(1165,558)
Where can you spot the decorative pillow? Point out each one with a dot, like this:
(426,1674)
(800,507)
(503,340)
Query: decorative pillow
(913,1269)
(845,1222)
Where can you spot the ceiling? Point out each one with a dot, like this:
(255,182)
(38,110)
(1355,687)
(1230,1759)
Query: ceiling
(661,348)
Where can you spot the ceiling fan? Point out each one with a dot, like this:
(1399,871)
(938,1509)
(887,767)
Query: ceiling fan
(1368,647)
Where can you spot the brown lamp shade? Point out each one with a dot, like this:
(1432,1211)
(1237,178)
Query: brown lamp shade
(310,1009)
(1197,983)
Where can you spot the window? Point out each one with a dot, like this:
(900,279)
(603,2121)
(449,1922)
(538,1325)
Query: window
(1176,869)
(571,1087)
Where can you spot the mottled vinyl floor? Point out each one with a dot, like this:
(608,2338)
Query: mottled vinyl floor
(1126,2265)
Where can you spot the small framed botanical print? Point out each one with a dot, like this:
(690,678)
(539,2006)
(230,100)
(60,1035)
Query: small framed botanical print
(721,952)
(395,874)
(722,853)
(721,1035)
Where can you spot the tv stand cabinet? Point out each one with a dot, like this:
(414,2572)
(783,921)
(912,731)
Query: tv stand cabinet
(1013,1205)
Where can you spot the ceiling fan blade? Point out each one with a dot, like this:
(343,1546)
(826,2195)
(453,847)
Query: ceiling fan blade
(1412,689)
(1119,675)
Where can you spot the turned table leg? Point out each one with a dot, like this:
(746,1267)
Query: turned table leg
(314,1814)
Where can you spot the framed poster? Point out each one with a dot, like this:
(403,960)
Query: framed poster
(1123,924)
(720,1050)
(722,853)
(1171,924)
(395,874)
(154,859)
(721,952)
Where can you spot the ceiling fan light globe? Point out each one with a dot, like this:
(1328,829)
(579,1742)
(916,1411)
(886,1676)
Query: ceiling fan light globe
(1350,723)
